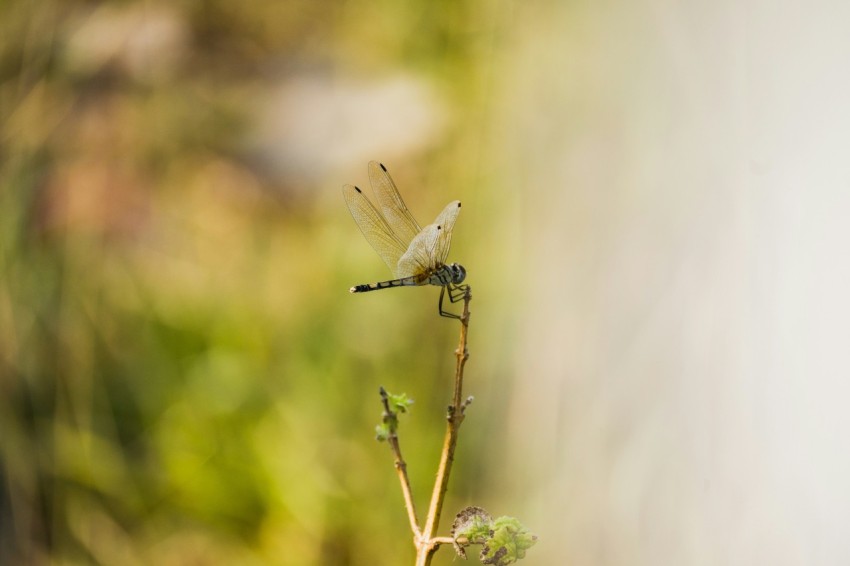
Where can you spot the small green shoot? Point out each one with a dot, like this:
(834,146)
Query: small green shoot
(400,402)
(393,405)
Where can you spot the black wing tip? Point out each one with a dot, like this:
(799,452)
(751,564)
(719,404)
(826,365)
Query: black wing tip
(382,166)
(356,188)
(458,204)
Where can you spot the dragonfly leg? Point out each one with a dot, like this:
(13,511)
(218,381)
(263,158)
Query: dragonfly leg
(457,292)
(446,313)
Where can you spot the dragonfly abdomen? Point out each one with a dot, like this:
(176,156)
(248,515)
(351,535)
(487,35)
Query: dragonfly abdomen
(412,281)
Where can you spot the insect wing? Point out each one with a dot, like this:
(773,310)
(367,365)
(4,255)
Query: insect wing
(374,227)
(419,256)
(395,211)
(446,221)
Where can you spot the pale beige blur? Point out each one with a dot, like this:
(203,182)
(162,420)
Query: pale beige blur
(681,387)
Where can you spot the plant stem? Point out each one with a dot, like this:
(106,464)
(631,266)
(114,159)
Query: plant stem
(427,543)
(401,468)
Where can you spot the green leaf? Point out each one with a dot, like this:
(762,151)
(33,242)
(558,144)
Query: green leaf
(400,403)
(395,404)
(382,432)
(504,540)
(507,542)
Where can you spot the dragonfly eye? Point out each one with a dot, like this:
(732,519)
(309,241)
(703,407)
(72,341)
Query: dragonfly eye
(458,273)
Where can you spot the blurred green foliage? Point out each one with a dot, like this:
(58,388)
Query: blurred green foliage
(183,378)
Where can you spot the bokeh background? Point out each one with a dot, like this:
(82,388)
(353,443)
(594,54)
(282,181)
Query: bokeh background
(655,195)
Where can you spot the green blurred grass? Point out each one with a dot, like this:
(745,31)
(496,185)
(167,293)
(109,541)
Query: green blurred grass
(184,378)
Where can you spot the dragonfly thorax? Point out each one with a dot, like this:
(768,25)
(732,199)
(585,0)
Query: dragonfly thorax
(443,275)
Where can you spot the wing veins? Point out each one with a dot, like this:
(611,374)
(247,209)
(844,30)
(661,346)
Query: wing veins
(419,257)
(374,227)
(446,219)
(396,213)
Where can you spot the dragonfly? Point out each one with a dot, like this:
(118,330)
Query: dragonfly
(415,255)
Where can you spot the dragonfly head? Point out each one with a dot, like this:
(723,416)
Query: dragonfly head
(458,273)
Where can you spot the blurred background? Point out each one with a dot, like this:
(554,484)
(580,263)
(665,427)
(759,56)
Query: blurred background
(654,224)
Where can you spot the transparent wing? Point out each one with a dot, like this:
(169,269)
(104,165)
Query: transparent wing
(393,207)
(374,227)
(419,256)
(446,221)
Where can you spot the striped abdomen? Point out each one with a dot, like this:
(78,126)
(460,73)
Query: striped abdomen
(411,281)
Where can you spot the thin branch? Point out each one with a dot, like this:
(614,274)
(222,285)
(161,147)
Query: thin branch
(427,544)
(400,466)
(445,540)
